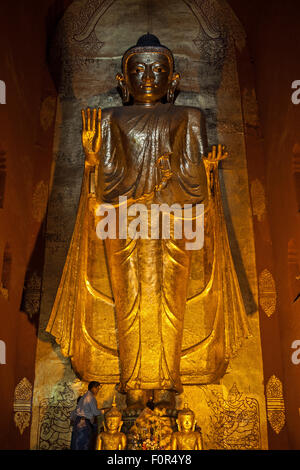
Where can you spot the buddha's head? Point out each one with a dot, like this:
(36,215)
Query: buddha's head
(186,420)
(148,72)
(113,419)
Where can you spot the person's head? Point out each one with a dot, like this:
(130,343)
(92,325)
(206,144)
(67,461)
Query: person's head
(94,387)
(148,72)
(186,419)
(113,419)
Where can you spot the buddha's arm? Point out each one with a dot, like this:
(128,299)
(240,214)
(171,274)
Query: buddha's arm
(199,445)
(99,442)
(123,441)
(192,171)
(196,138)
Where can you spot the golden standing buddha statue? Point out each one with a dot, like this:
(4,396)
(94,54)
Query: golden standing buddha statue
(153,152)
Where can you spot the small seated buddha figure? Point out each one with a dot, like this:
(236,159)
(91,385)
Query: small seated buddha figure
(186,438)
(112,438)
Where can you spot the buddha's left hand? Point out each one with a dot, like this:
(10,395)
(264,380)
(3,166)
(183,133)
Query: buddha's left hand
(91,134)
(211,163)
(216,155)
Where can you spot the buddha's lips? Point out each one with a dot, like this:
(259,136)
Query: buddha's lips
(148,87)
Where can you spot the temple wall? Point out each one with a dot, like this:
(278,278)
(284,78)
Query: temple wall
(273,39)
(26,123)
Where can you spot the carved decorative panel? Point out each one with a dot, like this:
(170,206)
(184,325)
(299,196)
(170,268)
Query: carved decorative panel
(275,404)
(22,404)
(267,292)
(235,422)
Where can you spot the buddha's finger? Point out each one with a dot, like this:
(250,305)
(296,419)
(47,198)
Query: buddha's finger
(94,119)
(83,119)
(214,152)
(99,122)
(88,119)
(219,153)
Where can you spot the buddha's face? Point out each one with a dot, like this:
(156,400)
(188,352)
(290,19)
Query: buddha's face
(186,422)
(148,76)
(112,423)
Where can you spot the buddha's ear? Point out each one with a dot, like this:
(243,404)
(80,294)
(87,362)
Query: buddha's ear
(172,87)
(178,424)
(194,425)
(175,79)
(120,425)
(124,88)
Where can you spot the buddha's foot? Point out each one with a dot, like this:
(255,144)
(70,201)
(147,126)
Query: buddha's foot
(164,399)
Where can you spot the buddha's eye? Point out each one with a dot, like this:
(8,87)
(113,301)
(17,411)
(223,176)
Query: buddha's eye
(158,69)
(139,69)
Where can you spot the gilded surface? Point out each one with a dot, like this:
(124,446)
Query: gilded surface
(22,420)
(22,404)
(267,292)
(187,437)
(112,438)
(275,404)
(23,391)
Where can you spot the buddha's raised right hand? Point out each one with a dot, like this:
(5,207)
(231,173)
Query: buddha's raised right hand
(91,134)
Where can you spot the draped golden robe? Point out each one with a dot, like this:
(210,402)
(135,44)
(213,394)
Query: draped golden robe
(175,309)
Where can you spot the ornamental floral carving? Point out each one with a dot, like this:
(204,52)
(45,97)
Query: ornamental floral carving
(267,292)
(22,404)
(275,404)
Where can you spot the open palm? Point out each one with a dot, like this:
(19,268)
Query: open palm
(91,133)
(216,155)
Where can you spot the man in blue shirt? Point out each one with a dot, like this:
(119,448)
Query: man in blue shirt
(85,427)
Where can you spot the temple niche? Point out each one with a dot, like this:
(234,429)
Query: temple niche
(205,38)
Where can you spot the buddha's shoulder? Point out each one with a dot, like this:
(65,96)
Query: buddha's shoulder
(108,113)
(119,112)
(189,111)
